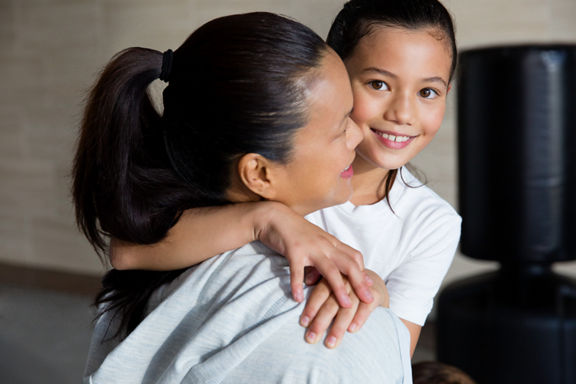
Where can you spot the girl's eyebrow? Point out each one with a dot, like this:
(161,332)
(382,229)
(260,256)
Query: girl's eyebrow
(383,72)
(380,71)
(436,79)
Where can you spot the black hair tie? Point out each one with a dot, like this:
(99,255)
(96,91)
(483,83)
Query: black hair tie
(167,58)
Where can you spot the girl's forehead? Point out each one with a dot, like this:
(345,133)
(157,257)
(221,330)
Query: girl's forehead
(385,38)
(375,31)
(401,50)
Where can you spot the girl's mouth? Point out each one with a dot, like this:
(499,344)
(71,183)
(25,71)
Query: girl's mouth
(393,141)
(347,173)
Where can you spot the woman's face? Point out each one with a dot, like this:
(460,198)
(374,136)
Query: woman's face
(400,81)
(319,172)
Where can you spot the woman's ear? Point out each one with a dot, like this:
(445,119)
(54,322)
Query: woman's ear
(257,173)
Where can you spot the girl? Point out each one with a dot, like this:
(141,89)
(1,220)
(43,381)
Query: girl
(400,56)
(285,94)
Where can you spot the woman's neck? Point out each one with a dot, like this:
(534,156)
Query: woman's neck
(368,182)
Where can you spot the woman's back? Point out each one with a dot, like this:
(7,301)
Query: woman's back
(231,319)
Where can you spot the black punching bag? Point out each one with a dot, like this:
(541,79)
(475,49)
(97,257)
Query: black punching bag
(517,198)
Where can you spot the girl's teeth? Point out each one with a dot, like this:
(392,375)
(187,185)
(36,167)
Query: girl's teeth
(397,139)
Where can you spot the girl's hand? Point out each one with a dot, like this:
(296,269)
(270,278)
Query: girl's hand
(322,309)
(307,245)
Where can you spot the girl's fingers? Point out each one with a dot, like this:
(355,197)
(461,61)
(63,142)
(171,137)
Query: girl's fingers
(340,324)
(332,275)
(317,298)
(322,320)
(351,253)
(361,284)
(296,280)
(362,314)
(358,279)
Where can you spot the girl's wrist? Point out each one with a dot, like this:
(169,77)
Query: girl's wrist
(265,217)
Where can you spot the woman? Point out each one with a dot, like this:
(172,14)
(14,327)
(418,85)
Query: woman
(249,100)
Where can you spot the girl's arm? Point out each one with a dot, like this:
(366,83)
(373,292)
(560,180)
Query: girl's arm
(414,330)
(205,232)
(199,234)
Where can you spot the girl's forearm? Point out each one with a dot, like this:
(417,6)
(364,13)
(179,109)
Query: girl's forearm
(200,233)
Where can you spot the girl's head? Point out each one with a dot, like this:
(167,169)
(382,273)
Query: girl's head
(401,56)
(247,97)
(359,18)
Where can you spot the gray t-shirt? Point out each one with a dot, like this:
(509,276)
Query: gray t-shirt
(231,319)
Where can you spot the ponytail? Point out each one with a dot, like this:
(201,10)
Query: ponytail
(123,183)
(120,163)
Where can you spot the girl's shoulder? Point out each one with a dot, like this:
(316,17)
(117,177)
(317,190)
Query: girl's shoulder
(410,194)
(410,201)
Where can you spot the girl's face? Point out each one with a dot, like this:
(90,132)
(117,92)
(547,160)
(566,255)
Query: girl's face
(319,172)
(400,80)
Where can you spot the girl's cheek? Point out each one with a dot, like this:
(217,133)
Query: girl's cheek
(361,113)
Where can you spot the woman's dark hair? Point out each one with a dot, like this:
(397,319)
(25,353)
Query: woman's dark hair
(237,85)
(359,18)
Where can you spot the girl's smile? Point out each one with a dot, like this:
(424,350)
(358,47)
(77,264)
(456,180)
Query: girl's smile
(393,140)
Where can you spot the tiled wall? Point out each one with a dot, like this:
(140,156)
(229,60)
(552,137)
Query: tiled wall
(51,51)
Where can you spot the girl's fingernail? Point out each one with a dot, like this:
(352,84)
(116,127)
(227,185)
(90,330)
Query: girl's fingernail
(352,327)
(331,341)
(311,337)
(346,301)
(298,296)
(305,321)
(368,295)
(368,280)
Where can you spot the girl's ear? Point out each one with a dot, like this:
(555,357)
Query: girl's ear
(258,174)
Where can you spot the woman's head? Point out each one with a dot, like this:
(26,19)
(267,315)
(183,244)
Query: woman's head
(400,55)
(254,84)
(257,106)
(242,84)
(239,84)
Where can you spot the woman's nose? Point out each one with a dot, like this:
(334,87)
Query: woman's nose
(354,133)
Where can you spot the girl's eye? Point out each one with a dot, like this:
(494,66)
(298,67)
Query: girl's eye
(428,93)
(378,85)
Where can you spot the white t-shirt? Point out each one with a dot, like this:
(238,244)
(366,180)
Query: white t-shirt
(231,319)
(411,248)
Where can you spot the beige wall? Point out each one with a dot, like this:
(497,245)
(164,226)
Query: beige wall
(51,51)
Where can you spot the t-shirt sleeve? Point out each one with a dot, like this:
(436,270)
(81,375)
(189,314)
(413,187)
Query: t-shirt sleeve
(414,283)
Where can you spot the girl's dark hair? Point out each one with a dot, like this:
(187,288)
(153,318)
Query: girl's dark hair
(237,85)
(358,18)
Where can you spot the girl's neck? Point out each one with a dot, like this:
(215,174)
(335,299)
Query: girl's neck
(368,182)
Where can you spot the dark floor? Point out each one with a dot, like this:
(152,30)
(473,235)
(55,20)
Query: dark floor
(44,334)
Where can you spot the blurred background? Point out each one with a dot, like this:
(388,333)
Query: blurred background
(50,53)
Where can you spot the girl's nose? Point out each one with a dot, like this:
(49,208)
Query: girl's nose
(400,110)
